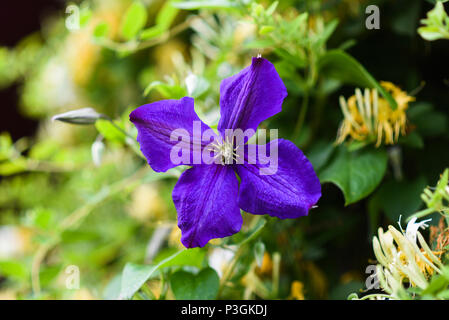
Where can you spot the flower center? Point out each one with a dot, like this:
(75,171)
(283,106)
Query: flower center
(225,151)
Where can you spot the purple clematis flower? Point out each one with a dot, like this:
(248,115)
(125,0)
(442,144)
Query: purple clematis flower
(208,197)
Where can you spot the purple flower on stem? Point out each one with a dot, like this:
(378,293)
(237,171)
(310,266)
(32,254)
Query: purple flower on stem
(208,197)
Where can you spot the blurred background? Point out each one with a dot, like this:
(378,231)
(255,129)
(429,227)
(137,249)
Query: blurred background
(79,200)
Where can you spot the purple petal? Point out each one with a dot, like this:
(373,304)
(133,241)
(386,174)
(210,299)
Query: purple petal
(155,123)
(288,191)
(205,198)
(251,96)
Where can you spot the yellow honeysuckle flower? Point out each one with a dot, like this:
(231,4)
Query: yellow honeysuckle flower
(267,265)
(370,117)
(297,290)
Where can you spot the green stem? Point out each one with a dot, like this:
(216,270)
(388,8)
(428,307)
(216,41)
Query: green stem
(164,287)
(131,142)
(301,116)
(276,272)
(228,272)
(148,293)
(118,127)
(421,213)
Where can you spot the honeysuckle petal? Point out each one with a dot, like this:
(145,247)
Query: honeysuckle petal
(289,192)
(157,121)
(205,198)
(251,96)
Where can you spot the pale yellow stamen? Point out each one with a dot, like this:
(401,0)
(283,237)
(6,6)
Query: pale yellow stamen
(225,149)
(370,118)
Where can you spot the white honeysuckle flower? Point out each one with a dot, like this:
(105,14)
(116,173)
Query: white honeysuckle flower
(220,258)
(413,227)
(97,150)
(12,242)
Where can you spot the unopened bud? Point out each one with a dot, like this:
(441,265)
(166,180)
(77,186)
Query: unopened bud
(79,116)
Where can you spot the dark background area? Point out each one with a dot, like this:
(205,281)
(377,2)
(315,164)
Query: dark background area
(17,20)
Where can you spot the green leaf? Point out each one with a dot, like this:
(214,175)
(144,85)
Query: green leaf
(41,218)
(429,122)
(134,20)
(272,8)
(320,153)
(112,289)
(266,30)
(201,286)
(6,146)
(109,131)
(166,15)
(151,33)
(412,140)
(15,269)
(134,275)
(169,91)
(437,283)
(356,173)
(397,198)
(85,15)
(191,257)
(430,33)
(340,65)
(327,32)
(18,165)
(164,19)
(296,60)
(101,30)
(242,238)
(259,44)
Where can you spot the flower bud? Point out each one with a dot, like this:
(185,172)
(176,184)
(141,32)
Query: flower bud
(79,116)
